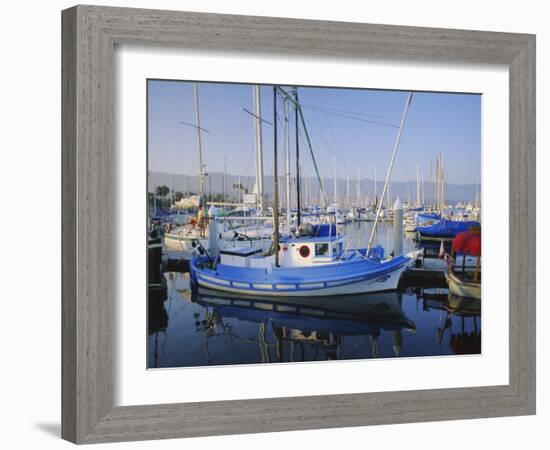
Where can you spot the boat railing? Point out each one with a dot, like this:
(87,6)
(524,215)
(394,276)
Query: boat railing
(346,254)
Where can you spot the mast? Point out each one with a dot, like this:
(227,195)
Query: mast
(398,139)
(298,202)
(287,169)
(239,191)
(276,182)
(199,146)
(225,178)
(334,178)
(431,186)
(422,188)
(259,152)
(359,186)
(437,180)
(477,202)
(375,199)
(442,185)
(417,185)
(347,190)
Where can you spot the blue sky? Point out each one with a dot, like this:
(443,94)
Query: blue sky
(357,126)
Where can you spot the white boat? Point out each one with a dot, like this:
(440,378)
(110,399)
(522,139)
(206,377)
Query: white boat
(311,264)
(465,281)
(459,286)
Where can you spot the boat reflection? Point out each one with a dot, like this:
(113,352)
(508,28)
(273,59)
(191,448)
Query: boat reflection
(464,337)
(157,319)
(299,324)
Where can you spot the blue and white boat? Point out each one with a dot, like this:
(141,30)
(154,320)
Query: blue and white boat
(311,263)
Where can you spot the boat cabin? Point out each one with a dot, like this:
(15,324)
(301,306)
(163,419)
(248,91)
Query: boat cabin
(314,244)
(317,247)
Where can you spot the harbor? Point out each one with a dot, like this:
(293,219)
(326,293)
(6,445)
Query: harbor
(206,327)
(298,265)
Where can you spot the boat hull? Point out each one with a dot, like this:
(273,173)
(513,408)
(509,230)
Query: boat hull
(182,243)
(385,279)
(462,288)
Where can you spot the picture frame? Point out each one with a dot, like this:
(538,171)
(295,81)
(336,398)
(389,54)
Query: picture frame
(89,37)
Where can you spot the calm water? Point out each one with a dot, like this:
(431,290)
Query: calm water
(213,328)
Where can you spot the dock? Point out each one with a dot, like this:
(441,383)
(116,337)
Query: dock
(175,261)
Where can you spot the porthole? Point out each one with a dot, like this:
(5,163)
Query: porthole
(304,251)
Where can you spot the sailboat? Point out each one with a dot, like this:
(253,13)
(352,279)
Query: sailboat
(311,262)
(231,232)
(181,238)
(463,281)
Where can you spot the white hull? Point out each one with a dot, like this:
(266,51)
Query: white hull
(461,288)
(383,283)
(185,245)
(182,244)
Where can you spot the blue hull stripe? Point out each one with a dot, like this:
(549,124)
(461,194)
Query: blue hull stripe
(212,279)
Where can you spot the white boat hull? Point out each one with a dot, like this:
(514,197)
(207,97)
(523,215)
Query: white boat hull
(462,288)
(386,282)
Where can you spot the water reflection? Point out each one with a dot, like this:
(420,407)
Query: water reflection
(317,323)
(213,328)
(460,320)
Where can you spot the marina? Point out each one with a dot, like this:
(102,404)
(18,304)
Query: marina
(208,327)
(297,263)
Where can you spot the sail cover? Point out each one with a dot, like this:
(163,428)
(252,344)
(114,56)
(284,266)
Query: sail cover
(446,228)
(467,243)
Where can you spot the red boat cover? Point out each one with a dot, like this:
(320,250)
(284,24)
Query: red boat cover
(467,242)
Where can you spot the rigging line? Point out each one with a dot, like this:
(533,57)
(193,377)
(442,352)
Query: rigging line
(374,122)
(349,112)
(323,137)
(300,113)
(304,143)
(336,143)
(312,155)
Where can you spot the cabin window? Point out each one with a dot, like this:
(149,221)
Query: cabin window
(321,249)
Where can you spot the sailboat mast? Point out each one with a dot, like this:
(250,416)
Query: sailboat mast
(431,186)
(259,151)
(225,178)
(275,182)
(417,185)
(287,169)
(359,186)
(388,175)
(199,146)
(422,188)
(347,190)
(442,184)
(334,178)
(477,203)
(375,199)
(298,202)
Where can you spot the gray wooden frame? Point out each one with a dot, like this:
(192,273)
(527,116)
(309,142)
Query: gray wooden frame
(89,36)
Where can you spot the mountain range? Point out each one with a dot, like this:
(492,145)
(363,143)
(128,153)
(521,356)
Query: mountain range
(310,186)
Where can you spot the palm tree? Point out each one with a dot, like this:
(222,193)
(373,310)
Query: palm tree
(162,191)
